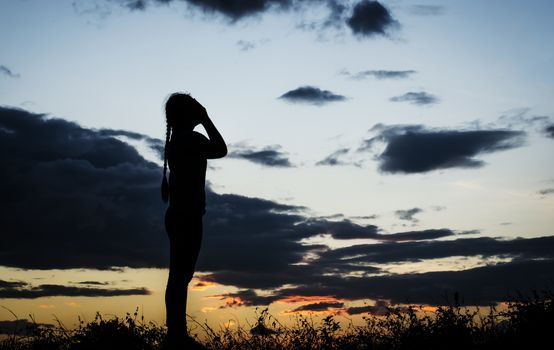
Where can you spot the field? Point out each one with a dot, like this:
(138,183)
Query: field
(526,323)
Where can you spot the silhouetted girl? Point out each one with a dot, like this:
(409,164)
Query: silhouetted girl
(186,152)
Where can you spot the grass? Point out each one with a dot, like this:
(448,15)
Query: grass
(526,323)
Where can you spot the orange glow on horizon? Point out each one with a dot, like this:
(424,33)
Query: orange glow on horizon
(302,299)
(199,284)
(329,311)
(428,308)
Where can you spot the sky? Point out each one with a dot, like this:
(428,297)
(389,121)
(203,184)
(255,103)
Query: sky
(380,153)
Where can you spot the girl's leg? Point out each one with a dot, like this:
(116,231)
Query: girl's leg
(185,238)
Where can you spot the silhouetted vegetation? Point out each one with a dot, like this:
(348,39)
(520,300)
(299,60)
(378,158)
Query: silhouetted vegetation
(525,323)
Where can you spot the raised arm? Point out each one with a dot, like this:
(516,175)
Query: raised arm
(216,147)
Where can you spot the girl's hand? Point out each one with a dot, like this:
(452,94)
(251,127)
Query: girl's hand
(202,113)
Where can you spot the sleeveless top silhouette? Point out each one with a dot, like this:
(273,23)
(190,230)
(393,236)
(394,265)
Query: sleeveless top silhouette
(187,164)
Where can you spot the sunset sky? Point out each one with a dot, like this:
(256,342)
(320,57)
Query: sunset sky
(380,153)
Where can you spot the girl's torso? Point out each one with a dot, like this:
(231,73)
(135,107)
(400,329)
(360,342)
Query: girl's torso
(187,177)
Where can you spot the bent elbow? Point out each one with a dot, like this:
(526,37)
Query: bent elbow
(217,152)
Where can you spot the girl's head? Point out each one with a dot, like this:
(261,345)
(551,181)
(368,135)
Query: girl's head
(182,111)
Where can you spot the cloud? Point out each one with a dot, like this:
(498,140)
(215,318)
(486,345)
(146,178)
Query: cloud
(322,306)
(156,145)
(413,149)
(344,229)
(418,98)
(408,214)
(365,18)
(245,45)
(27,291)
(483,285)
(99,11)
(380,74)
(549,130)
(337,10)
(237,9)
(417,251)
(245,298)
(427,10)
(12,284)
(380,308)
(546,191)
(95,283)
(8,72)
(521,119)
(311,95)
(418,235)
(65,183)
(270,156)
(370,18)
(366,217)
(334,158)
(233,10)
(76,198)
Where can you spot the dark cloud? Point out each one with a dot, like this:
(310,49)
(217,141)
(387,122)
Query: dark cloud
(344,229)
(484,285)
(11,284)
(99,11)
(380,308)
(417,251)
(311,95)
(73,197)
(546,191)
(156,145)
(366,217)
(8,72)
(414,149)
(270,156)
(417,235)
(94,283)
(427,10)
(140,4)
(27,291)
(237,9)
(380,74)
(549,131)
(418,98)
(245,45)
(80,198)
(112,132)
(322,306)
(245,298)
(334,158)
(408,214)
(370,18)
(521,118)
(337,11)
(478,286)
(365,18)
(232,10)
